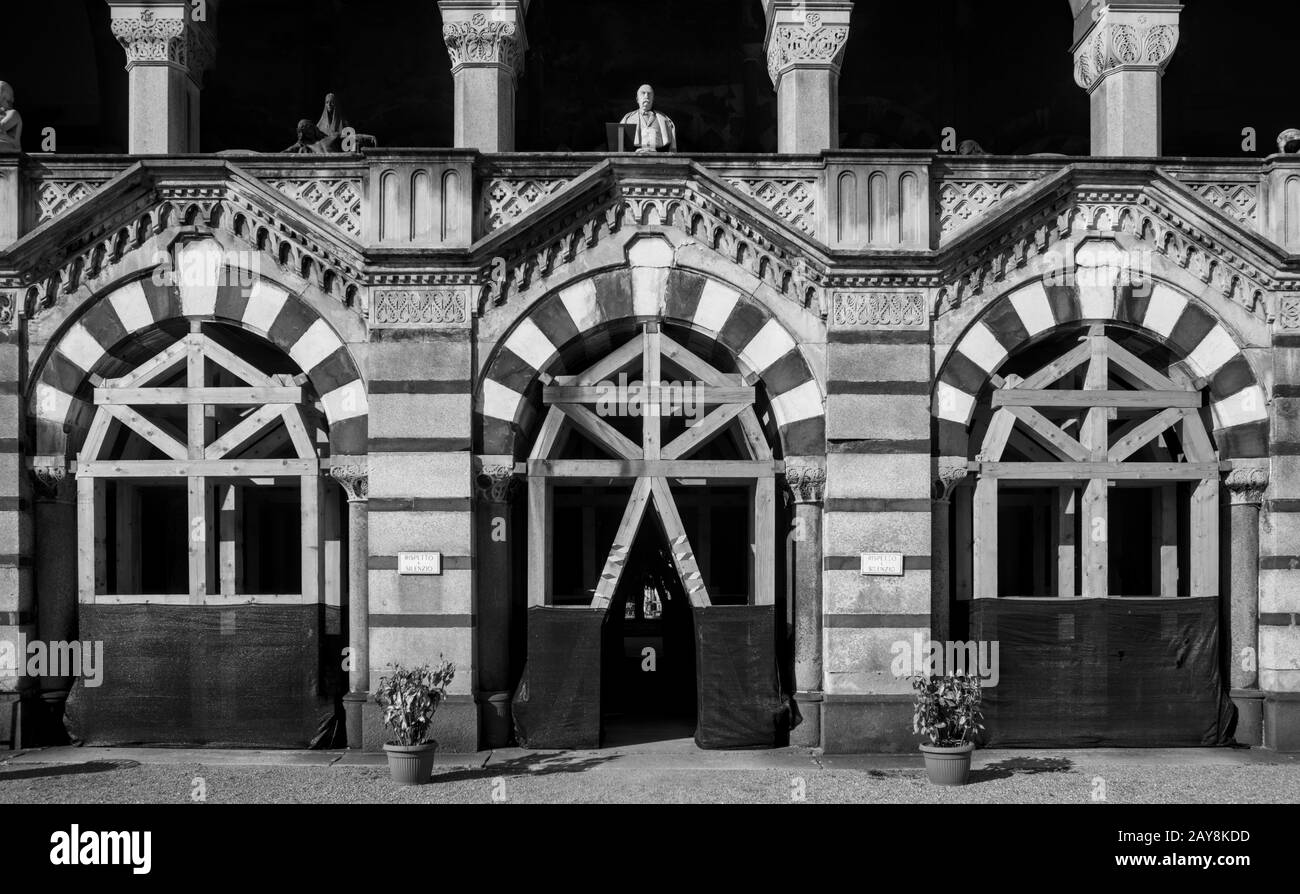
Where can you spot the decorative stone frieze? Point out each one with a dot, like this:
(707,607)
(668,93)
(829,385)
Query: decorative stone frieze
(879,310)
(807,482)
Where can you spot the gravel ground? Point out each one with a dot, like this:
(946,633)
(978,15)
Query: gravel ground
(573,779)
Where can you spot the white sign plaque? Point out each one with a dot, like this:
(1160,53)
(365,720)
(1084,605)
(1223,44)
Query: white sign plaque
(882,563)
(419,563)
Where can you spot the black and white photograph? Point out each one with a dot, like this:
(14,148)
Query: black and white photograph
(649,415)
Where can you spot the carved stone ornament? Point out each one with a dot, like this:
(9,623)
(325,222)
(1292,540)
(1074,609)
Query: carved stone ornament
(1125,42)
(149,38)
(353,474)
(1247,485)
(1288,141)
(419,308)
(8,305)
(496,482)
(807,483)
(483,42)
(1288,312)
(952,472)
(50,479)
(808,44)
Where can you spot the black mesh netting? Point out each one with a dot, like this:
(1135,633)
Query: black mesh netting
(1098,672)
(557,704)
(739,697)
(249,675)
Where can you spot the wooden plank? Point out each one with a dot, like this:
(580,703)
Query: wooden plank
(649,395)
(964,542)
(764,542)
(548,438)
(1050,436)
(1137,438)
(702,432)
(1031,449)
(539,542)
(753,433)
(1070,471)
(1066,544)
(624,537)
(1095,518)
(652,402)
(1196,442)
(1138,371)
(694,365)
(199,533)
(173,448)
(163,362)
(1058,368)
(608,366)
(296,426)
(1166,501)
(601,432)
(191,396)
(248,428)
(211,468)
(985,524)
(236,365)
(309,494)
(333,543)
(679,546)
(95,435)
(126,535)
(230,525)
(86,590)
(1143,400)
(1204,535)
(606,469)
(997,436)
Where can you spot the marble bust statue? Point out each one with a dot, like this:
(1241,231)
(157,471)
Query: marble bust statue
(655,131)
(11,123)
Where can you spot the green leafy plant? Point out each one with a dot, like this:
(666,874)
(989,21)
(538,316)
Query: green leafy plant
(409,698)
(947,708)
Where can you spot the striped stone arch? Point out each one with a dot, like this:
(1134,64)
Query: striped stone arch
(60,397)
(1164,313)
(760,343)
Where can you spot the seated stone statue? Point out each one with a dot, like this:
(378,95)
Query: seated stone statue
(11,123)
(310,140)
(332,124)
(655,131)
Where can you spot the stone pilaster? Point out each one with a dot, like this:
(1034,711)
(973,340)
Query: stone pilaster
(167,50)
(486,42)
(1247,486)
(807,483)
(353,474)
(495,487)
(1120,61)
(805,45)
(951,472)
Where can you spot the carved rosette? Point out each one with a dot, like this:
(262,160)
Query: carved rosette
(353,474)
(1125,43)
(1247,486)
(496,482)
(810,44)
(483,42)
(807,483)
(952,472)
(51,480)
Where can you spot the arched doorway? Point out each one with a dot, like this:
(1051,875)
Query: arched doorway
(652,520)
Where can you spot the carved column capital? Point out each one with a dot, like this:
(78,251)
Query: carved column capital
(162,34)
(51,479)
(485,37)
(8,307)
(1247,485)
(805,35)
(495,480)
(1125,40)
(952,472)
(807,482)
(353,474)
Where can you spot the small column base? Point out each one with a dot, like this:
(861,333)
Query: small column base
(354,709)
(1282,721)
(496,724)
(808,734)
(1250,716)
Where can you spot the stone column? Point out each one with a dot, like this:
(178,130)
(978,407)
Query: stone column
(951,472)
(805,45)
(1120,60)
(353,474)
(56,579)
(1246,486)
(486,42)
(167,49)
(808,486)
(494,567)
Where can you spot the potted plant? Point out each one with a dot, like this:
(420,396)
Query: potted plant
(409,697)
(948,713)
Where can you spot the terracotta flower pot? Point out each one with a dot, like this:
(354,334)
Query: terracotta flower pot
(948,765)
(411,764)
